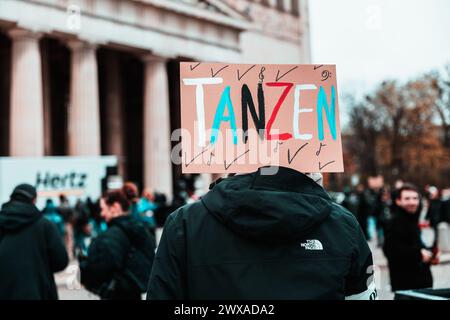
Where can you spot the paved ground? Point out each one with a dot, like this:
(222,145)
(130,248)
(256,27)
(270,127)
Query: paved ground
(69,288)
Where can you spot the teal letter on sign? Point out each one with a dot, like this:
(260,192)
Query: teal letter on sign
(225,100)
(331,114)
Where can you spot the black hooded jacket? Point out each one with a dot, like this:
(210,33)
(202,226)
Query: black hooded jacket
(257,236)
(31,250)
(402,247)
(120,260)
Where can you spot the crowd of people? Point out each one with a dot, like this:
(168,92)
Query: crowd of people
(82,222)
(399,214)
(373,208)
(112,238)
(254,219)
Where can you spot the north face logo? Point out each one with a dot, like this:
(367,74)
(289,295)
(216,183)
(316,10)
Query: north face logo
(312,245)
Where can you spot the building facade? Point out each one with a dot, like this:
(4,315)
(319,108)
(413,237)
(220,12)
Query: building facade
(100,77)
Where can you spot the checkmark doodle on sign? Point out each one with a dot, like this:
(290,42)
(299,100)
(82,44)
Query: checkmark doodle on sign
(193,67)
(278,77)
(240,77)
(321,167)
(295,154)
(229,165)
(215,74)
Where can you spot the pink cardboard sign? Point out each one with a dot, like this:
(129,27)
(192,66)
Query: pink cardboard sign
(236,118)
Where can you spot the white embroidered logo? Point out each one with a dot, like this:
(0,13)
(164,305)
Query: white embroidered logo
(312,245)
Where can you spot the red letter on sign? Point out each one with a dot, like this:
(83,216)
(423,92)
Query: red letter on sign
(282,136)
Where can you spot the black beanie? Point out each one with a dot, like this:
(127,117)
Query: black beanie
(24,192)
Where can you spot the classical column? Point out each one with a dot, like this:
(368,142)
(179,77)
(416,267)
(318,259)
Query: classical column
(26,117)
(84,118)
(46,92)
(114,121)
(5,93)
(157,162)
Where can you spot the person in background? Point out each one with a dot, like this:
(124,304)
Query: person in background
(131,191)
(139,210)
(97,223)
(384,215)
(51,213)
(180,196)
(31,249)
(445,209)
(82,236)
(394,193)
(379,212)
(146,208)
(350,201)
(434,213)
(67,214)
(81,209)
(119,261)
(162,209)
(92,207)
(363,210)
(408,259)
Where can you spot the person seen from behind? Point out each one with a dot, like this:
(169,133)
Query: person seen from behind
(263,236)
(119,260)
(31,249)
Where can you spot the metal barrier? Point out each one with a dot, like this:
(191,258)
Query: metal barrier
(423,294)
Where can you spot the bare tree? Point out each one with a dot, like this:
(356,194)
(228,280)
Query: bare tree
(394,131)
(366,129)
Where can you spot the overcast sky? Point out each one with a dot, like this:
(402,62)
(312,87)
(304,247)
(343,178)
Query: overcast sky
(373,40)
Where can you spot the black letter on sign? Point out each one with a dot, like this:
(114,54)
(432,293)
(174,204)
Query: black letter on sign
(247,102)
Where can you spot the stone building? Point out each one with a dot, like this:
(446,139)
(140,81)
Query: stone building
(100,77)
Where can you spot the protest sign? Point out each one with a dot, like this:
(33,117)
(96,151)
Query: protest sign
(236,118)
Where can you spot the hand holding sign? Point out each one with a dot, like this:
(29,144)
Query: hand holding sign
(238,110)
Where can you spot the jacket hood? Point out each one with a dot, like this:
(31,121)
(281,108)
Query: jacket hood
(16,215)
(282,207)
(134,229)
